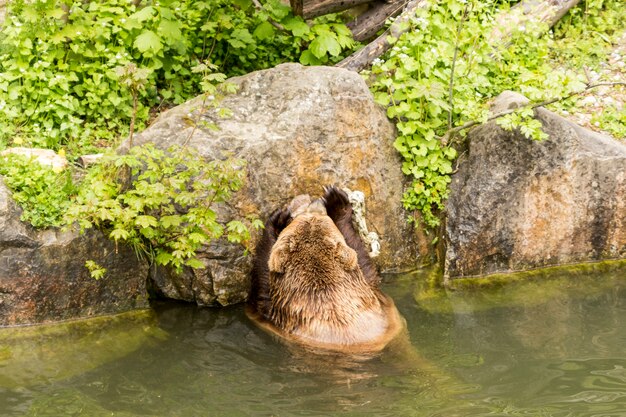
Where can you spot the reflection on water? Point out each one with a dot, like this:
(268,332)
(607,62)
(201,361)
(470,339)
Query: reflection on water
(555,348)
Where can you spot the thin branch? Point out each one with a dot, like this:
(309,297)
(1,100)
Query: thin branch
(456,52)
(451,132)
(259,7)
(197,120)
(133,118)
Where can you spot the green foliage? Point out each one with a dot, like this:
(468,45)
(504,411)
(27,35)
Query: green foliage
(585,36)
(95,270)
(42,193)
(214,88)
(166,213)
(59,84)
(455,39)
(524,120)
(612,120)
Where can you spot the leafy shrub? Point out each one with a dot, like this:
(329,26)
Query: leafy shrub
(585,35)
(613,120)
(166,212)
(42,193)
(58,59)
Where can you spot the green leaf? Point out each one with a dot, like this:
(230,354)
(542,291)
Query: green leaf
(143,14)
(95,270)
(325,43)
(148,41)
(264,31)
(307,58)
(171,221)
(197,237)
(119,234)
(240,38)
(145,221)
(163,258)
(243,4)
(297,26)
(194,263)
(170,30)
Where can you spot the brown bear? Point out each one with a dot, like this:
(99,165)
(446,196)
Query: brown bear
(313,281)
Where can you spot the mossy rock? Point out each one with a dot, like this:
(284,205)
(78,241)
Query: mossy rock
(523,289)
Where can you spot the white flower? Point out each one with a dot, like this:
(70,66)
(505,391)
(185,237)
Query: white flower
(421,21)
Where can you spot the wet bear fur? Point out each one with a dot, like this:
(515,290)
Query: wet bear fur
(313,281)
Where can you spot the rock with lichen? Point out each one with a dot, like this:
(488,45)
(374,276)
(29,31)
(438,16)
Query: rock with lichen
(517,204)
(43,277)
(298,128)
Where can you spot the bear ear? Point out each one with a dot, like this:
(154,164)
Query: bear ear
(347,256)
(275,262)
(277,257)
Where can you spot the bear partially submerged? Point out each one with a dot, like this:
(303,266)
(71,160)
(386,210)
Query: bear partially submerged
(313,281)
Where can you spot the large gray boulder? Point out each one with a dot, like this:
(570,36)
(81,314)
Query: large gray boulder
(517,204)
(43,276)
(298,128)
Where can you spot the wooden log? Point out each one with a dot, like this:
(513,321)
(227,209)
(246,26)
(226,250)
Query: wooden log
(526,11)
(309,9)
(366,25)
(364,56)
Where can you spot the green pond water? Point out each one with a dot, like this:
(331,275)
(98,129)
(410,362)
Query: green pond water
(553,347)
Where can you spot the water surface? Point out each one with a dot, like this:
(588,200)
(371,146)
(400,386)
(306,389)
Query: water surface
(548,348)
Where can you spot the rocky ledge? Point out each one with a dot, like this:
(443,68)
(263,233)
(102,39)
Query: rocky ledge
(518,204)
